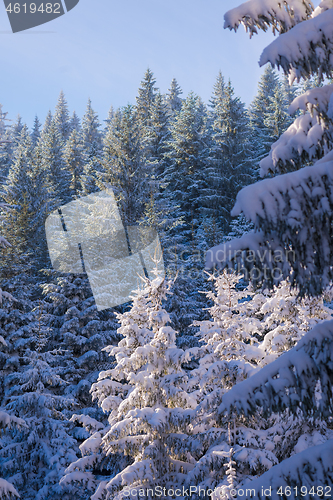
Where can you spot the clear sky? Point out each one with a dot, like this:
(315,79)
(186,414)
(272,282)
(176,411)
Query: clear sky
(102,48)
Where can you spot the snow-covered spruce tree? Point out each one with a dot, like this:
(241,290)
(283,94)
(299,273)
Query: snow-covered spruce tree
(135,331)
(3,124)
(26,192)
(35,458)
(7,490)
(124,165)
(61,117)
(187,184)
(16,129)
(159,209)
(229,152)
(292,214)
(299,218)
(145,394)
(52,145)
(188,150)
(90,128)
(47,123)
(267,86)
(74,159)
(247,331)
(35,133)
(76,327)
(74,123)
(145,101)
(92,150)
(172,98)
(31,458)
(276,117)
(5,145)
(156,136)
(290,91)
(250,329)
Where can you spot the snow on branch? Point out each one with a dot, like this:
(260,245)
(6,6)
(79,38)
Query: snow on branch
(7,490)
(289,381)
(305,140)
(8,421)
(270,198)
(297,210)
(89,423)
(307,47)
(253,250)
(308,138)
(311,468)
(324,5)
(316,99)
(260,14)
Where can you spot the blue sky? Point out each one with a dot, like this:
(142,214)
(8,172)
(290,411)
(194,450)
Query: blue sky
(102,48)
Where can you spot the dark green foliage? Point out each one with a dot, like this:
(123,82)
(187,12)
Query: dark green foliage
(124,166)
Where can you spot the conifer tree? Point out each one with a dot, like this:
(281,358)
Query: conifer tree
(185,180)
(124,164)
(35,134)
(17,128)
(149,414)
(59,178)
(145,100)
(188,155)
(229,155)
(47,123)
(76,327)
(3,125)
(291,212)
(267,86)
(61,117)
(44,447)
(247,330)
(276,117)
(90,127)
(73,161)
(27,193)
(157,211)
(290,91)
(74,123)
(92,150)
(174,102)
(17,195)
(6,148)
(157,135)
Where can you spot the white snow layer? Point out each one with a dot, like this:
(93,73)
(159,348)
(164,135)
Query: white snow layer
(304,135)
(268,199)
(318,98)
(308,45)
(7,489)
(307,133)
(264,387)
(261,13)
(312,467)
(267,196)
(255,242)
